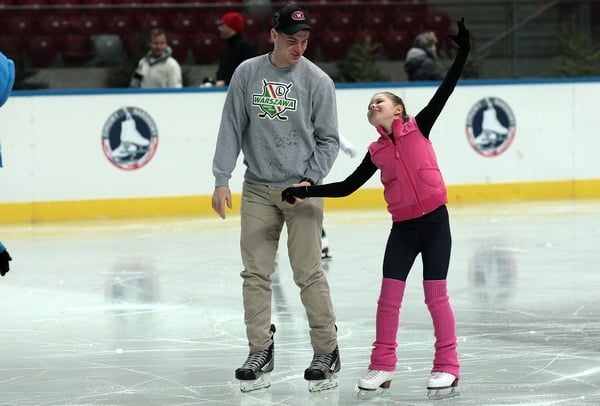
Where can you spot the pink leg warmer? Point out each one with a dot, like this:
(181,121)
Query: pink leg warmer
(444,327)
(383,356)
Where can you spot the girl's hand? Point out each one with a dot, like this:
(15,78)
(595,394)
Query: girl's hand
(294,194)
(462,39)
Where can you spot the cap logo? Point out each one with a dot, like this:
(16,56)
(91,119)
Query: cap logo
(298,16)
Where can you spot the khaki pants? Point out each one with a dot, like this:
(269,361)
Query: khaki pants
(262,217)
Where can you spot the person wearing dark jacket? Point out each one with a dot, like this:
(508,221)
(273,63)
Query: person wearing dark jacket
(421,60)
(236,48)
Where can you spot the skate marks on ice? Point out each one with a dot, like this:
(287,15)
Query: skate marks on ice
(146,313)
(527,316)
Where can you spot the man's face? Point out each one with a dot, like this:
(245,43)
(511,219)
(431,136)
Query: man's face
(225,31)
(288,49)
(158,43)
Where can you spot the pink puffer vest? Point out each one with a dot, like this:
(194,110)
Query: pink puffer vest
(412,181)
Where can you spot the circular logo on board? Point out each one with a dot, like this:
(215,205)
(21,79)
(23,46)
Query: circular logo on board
(129,138)
(491,126)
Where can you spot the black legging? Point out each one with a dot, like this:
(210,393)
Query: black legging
(428,235)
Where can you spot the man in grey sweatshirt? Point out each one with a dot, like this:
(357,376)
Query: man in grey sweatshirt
(280,112)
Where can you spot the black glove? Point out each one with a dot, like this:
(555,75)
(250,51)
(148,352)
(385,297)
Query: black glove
(290,194)
(462,39)
(4,258)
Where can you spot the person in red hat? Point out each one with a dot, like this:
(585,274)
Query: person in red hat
(236,48)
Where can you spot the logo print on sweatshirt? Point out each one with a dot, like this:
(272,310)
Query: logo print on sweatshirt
(273,101)
(129,138)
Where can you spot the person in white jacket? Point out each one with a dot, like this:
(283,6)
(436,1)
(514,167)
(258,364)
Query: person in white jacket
(158,68)
(7,79)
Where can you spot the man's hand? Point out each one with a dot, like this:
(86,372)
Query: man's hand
(221,197)
(296,193)
(4,259)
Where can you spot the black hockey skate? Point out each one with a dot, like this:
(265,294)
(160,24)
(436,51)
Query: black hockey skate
(255,373)
(321,373)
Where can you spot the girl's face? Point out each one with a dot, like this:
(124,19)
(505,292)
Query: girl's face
(288,49)
(382,111)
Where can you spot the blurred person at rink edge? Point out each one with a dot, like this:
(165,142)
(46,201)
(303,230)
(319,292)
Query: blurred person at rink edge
(406,159)
(421,59)
(349,149)
(158,68)
(7,80)
(280,111)
(236,48)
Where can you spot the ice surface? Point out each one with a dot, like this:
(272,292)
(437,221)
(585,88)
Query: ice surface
(149,312)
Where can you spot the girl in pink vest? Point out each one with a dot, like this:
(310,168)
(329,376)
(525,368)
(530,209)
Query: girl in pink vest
(416,197)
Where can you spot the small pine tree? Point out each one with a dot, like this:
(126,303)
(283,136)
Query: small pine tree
(360,63)
(578,57)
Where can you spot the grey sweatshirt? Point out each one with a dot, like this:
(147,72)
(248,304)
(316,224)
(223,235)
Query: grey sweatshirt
(283,120)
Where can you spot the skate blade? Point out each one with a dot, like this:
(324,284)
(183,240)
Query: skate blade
(262,382)
(368,394)
(440,394)
(323,385)
(259,397)
(324,398)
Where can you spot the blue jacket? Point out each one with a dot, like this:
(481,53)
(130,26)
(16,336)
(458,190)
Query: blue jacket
(7,77)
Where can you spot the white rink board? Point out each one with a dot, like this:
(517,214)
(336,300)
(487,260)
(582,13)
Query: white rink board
(51,140)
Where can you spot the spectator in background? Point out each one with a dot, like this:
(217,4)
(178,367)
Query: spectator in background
(7,79)
(157,68)
(421,59)
(236,48)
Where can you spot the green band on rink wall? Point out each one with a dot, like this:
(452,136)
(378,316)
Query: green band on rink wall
(181,206)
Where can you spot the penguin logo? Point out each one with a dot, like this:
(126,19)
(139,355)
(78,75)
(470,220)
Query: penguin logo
(129,138)
(491,126)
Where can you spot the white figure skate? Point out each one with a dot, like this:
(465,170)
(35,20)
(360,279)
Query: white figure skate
(124,150)
(490,123)
(130,133)
(374,384)
(442,385)
(491,128)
